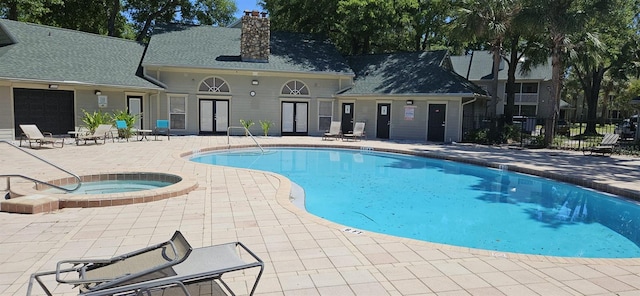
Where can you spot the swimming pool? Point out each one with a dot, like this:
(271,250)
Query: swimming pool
(451,203)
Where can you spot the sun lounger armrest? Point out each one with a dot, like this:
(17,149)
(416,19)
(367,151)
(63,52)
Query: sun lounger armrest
(77,266)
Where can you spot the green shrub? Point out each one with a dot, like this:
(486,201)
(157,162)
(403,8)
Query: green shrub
(128,118)
(246,124)
(93,120)
(266,125)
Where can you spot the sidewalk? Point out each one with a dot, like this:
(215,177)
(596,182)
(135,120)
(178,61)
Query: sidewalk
(303,254)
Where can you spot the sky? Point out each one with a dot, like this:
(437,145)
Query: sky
(246,5)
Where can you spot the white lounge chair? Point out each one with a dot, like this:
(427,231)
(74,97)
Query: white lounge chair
(357,133)
(334,131)
(102,132)
(32,134)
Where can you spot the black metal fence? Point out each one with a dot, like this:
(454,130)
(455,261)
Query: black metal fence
(528,132)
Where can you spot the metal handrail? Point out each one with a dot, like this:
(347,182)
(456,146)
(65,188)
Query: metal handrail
(247,131)
(9,176)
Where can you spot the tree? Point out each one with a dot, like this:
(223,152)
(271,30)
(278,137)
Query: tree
(600,51)
(25,10)
(489,21)
(555,19)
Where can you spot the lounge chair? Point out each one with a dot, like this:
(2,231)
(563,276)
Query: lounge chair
(162,128)
(357,133)
(334,131)
(102,132)
(32,134)
(173,264)
(609,142)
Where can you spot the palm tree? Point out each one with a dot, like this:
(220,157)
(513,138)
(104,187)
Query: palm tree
(489,21)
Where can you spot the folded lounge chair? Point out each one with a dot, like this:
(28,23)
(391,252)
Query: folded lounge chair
(32,134)
(167,265)
(609,141)
(334,131)
(102,132)
(357,133)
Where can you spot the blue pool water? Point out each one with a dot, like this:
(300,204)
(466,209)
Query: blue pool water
(452,203)
(114,186)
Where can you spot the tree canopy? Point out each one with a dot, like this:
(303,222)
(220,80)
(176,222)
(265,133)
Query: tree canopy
(120,18)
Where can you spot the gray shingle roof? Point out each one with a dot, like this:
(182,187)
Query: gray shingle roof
(43,53)
(407,73)
(219,48)
(482,63)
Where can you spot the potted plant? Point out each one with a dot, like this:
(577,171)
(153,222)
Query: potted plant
(129,119)
(246,124)
(266,125)
(93,120)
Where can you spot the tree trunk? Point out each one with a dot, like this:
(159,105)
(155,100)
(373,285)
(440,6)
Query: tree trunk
(113,13)
(593,81)
(509,110)
(494,82)
(13,10)
(553,104)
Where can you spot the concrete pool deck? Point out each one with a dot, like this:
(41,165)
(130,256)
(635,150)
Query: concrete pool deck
(303,254)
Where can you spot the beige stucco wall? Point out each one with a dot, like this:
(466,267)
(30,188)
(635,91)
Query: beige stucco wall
(6,113)
(265,105)
(84,99)
(400,128)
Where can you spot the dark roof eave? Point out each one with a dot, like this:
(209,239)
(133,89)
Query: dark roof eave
(81,83)
(410,95)
(349,74)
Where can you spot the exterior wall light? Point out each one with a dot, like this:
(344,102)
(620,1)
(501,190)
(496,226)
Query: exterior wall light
(252,93)
(97,92)
(409,102)
(255,82)
(53,86)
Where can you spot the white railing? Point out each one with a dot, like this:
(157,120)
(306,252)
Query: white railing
(246,131)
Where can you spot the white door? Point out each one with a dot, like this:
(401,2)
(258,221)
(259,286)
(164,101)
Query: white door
(301,117)
(287,117)
(294,118)
(206,116)
(135,109)
(222,116)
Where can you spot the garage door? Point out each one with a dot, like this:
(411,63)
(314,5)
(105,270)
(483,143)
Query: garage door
(50,110)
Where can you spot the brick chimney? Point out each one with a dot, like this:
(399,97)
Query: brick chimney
(254,40)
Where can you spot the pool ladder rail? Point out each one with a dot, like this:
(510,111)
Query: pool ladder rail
(9,176)
(248,133)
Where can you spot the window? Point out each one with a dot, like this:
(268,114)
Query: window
(214,84)
(526,88)
(178,112)
(325,115)
(296,88)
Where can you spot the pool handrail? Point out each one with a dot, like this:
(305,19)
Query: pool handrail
(9,176)
(248,133)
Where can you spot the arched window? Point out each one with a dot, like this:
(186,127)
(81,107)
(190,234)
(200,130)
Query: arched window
(296,88)
(214,84)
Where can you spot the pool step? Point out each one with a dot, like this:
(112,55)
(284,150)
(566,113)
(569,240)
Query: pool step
(30,204)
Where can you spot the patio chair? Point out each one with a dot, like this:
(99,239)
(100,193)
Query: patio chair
(32,134)
(168,265)
(162,128)
(124,132)
(357,133)
(102,132)
(609,142)
(334,131)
